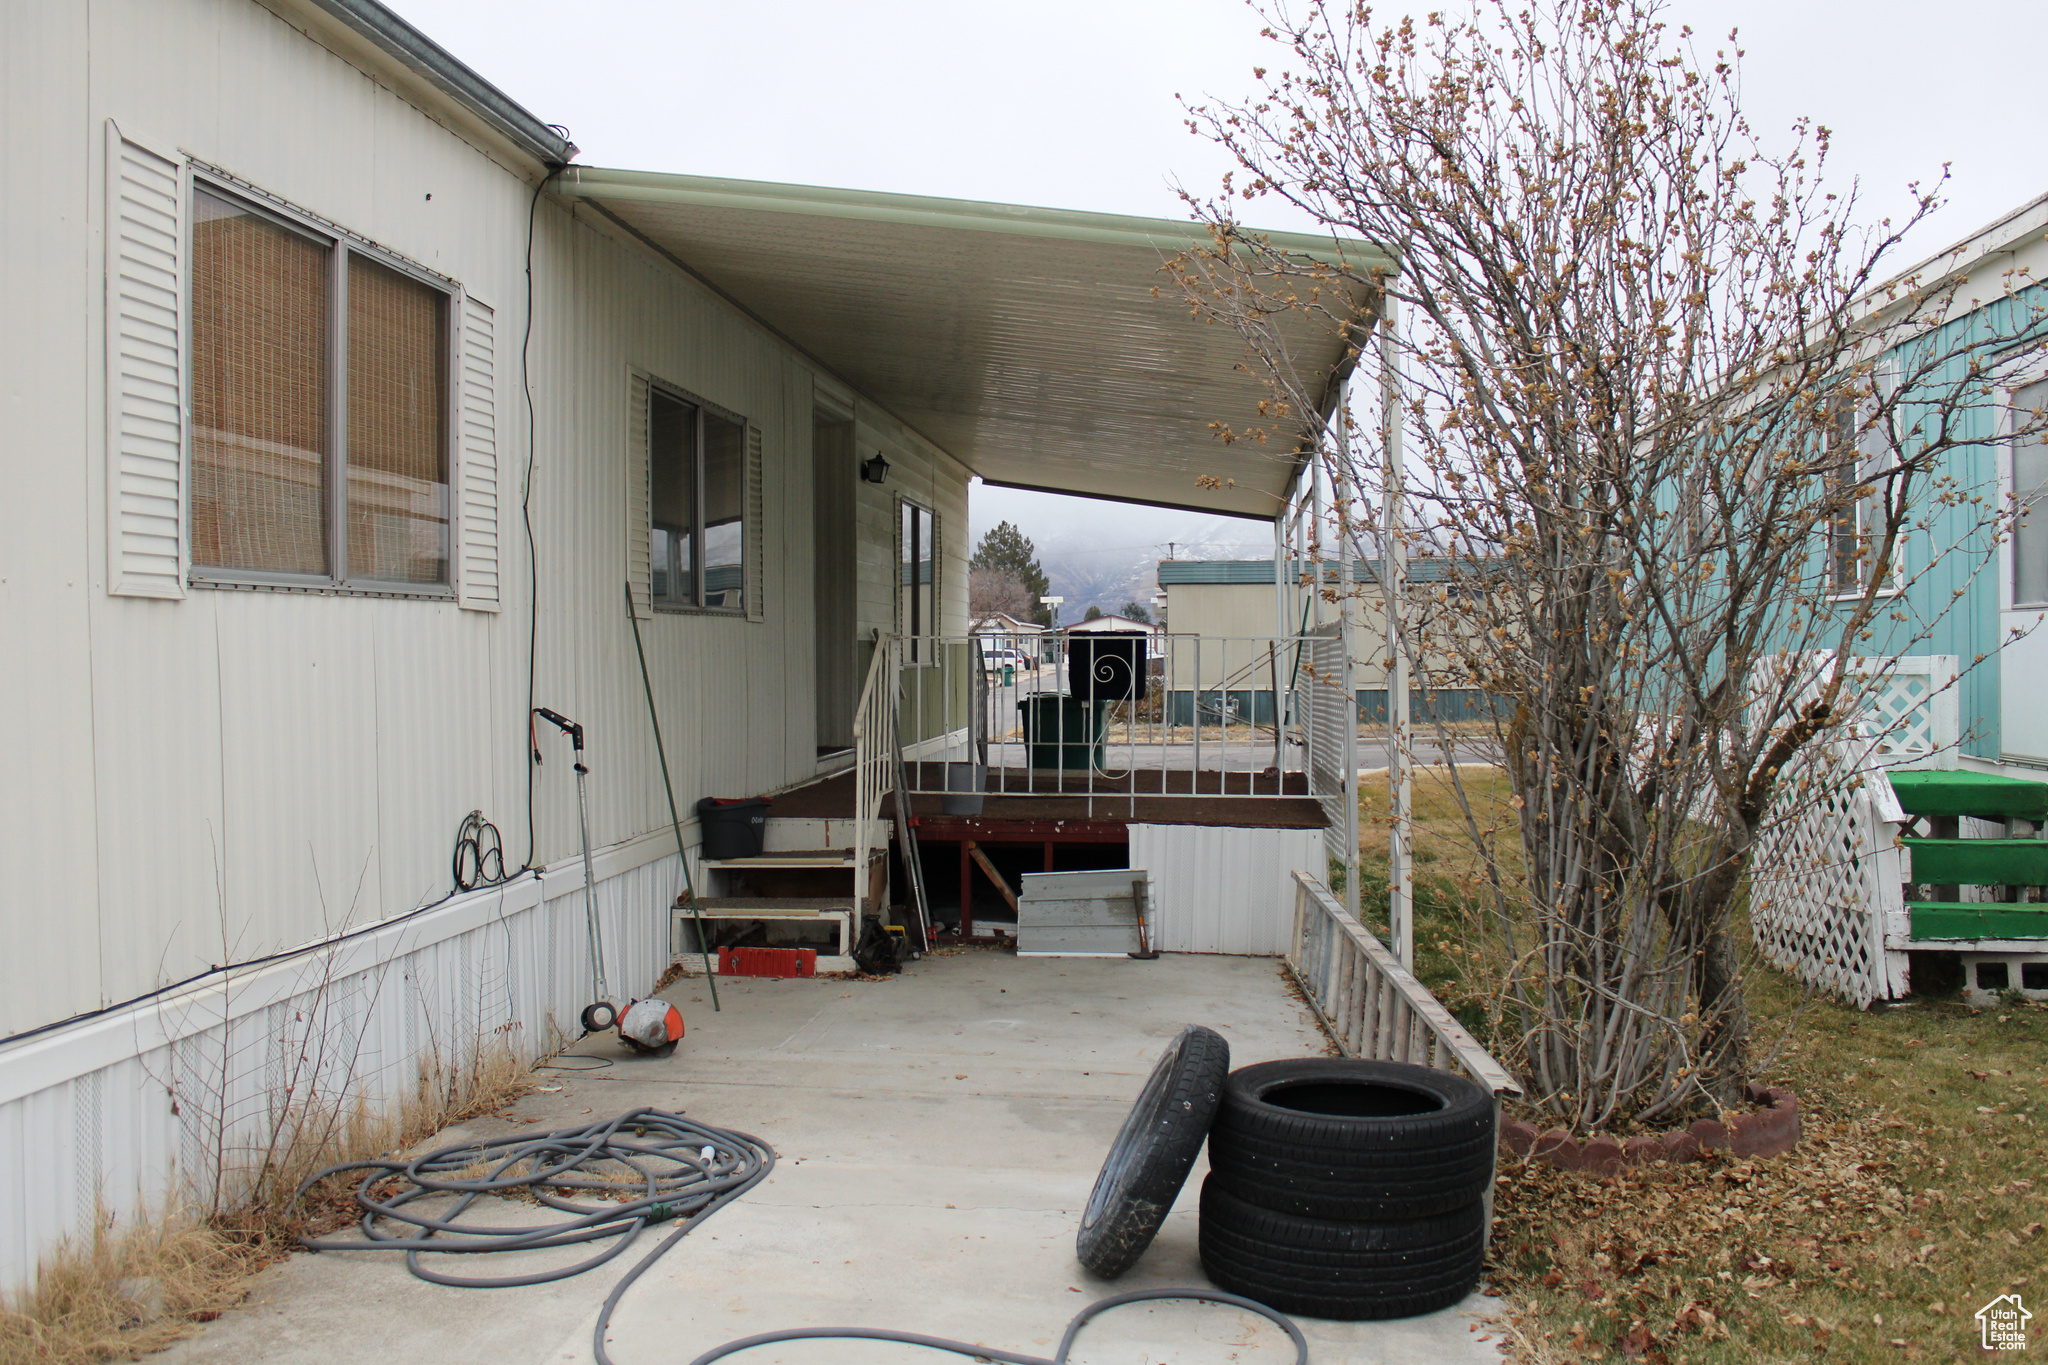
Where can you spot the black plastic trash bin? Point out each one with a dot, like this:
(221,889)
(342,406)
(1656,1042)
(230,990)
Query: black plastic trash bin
(733,828)
(1063,732)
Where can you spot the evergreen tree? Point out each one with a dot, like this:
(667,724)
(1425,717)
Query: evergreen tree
(1094,614)
(1009,550)
(1137,611)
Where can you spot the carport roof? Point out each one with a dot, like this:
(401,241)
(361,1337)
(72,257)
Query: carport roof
(1043,348)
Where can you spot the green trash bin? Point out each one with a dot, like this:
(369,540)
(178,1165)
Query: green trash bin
(1009,675)
(1063,732)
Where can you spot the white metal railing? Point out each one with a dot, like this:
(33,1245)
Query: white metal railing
(1328,712)
(874,761)
(1372,1005)
(1219,716)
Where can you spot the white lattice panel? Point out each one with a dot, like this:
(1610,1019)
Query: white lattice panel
(1825,877)
(1914,716)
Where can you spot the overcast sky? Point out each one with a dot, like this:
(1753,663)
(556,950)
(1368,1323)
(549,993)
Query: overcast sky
(1072,103)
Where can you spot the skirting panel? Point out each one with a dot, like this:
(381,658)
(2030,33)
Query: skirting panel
(166,1102)
(1217,890)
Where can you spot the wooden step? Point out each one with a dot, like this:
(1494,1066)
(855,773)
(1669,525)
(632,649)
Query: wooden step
(769,907)
(1940,920)
(837,912)
(1984,796)
(1978,862)
(815,859)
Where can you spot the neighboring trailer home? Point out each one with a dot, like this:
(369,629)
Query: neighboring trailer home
(349,422)
(1951,856)
(1227,601)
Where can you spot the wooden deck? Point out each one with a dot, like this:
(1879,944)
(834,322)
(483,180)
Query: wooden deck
(1245,801)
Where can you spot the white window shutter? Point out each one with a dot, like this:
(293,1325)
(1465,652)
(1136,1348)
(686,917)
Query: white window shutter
(146,549)
(478,580)
(639,501)
(756,551)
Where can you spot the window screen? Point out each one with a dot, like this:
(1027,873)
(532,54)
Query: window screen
(266,457)
(916,614)
(2030,490)
(672,470)
(397,426)
(1845,542)
(725,513)
(259,377)
(697,475)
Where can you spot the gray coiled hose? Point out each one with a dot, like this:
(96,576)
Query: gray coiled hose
(968,1348)
(666,1155)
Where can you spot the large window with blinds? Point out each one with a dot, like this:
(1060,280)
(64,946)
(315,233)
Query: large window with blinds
(697,486)
(320,389)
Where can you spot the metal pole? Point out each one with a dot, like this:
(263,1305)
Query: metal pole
(1312,534)
(1280,632)
(1394,582)
(596,935)
(1340,490)
(676,820)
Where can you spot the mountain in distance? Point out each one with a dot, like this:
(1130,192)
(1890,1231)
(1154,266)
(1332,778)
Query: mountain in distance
(1088,573)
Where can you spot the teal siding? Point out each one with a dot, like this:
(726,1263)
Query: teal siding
(1953,608)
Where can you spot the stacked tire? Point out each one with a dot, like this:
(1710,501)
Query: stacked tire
(1348,1189)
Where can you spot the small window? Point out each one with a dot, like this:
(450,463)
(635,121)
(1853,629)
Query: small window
(2030,493)
(285,320)
(697,468)
(1858,448)
(917,600)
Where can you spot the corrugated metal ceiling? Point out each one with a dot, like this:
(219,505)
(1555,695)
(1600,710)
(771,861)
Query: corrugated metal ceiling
(1028,343)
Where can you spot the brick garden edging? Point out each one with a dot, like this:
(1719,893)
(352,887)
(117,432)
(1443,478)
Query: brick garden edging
(1771,1130)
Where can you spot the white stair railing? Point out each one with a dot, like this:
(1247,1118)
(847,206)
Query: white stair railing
(874,763)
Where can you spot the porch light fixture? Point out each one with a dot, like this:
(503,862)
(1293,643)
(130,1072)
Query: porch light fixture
(875,470)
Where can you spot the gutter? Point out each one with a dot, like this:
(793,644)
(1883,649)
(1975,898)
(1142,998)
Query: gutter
(435,64)
(910,210)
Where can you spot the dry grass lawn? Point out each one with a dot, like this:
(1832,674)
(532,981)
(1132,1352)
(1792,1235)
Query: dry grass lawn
(1918,1193)
(136,1289)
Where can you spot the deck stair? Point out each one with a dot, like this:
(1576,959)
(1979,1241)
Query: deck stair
(792,898)
(1985,898)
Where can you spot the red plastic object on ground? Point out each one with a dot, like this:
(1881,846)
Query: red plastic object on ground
(767,961)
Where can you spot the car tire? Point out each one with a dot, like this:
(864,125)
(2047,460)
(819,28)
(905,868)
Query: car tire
(1265,1233)
(1352,1140)
(1153,1152)
(1332,1269)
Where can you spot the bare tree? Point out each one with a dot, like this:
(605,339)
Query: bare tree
(1697,458)
(998,590)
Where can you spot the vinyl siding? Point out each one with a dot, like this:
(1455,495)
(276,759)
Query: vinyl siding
(239,772)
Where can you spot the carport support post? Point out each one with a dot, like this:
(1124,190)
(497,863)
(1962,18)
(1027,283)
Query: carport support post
(1341,490)
(1394,585)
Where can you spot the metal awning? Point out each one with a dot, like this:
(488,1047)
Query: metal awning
(1028,343)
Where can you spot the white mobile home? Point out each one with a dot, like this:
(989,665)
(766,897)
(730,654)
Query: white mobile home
(348,422)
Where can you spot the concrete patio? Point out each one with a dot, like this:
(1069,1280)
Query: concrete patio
(938,1134)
